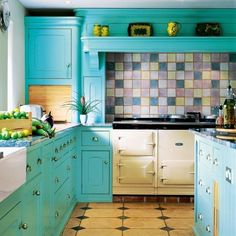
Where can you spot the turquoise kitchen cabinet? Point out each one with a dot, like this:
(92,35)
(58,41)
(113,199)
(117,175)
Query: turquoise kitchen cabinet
(49,53)
(215,190)
(95,164)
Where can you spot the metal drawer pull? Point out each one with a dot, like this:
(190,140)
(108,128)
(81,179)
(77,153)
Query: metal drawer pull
(199,216)
(56,150)
(64,145)
(215,162)
(208,157)
(179,144)
(120,164)
(208,229)
(208,190)
(36,192)
(151,172)
(200,182)
(163,179)
(200,152)
(39,161)
(23,226)
(95,139)
(28,168)
(68,65)
(163,166)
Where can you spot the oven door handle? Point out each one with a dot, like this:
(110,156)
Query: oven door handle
(120,164)
(191,173)
(151,172)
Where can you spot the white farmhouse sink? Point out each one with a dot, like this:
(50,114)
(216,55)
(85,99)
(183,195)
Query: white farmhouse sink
(12,170)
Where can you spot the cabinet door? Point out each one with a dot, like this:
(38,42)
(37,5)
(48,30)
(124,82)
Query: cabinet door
(9,224)
(32,208)
(49,53)
(95,172)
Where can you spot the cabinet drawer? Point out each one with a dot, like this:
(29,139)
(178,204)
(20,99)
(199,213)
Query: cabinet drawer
(34,164)
(95,138)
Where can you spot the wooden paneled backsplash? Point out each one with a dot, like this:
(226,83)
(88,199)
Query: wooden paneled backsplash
(52,98)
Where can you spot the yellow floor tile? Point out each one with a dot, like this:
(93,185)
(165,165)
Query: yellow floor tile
(177,206)
(73,222)
(144,223)
(142,213)
(101,223)
(105,205)
(141,205)
(180,223)
(99,232)
(181,233)
(178,213)
(77,212)
(103,213)
(144,232)
(69,232)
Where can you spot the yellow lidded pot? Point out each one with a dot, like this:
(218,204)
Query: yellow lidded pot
(97,30)
(105,30)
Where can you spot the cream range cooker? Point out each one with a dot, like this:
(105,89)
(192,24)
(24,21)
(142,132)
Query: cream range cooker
(154,161)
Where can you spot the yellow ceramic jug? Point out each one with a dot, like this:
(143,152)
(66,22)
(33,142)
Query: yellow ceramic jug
(173,28)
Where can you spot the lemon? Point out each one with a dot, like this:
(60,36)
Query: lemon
(20,134)
(14,135)
(16,109)
(5,129)
(26,132)
(6,135)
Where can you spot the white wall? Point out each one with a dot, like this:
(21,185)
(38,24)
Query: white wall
(17,58)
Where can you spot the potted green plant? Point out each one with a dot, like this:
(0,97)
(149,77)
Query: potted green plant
(83,107)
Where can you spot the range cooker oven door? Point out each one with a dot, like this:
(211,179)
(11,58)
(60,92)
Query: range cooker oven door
(136,171)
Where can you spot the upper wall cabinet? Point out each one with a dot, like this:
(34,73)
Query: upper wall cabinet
(49,53)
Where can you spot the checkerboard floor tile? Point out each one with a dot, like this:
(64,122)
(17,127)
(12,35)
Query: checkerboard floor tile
(130,219)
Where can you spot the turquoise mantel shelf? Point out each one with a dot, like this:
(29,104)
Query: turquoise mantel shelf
(94,45)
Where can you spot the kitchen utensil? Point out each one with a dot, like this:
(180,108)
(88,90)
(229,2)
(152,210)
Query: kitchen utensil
(37,110)
(208,29)
(173,28)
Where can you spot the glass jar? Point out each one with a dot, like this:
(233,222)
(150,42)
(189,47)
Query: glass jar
(97,30)
(105,30)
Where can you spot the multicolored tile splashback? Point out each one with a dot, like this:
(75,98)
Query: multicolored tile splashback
(148,84)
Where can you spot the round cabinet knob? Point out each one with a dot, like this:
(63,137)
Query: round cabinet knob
(61,147)
(24,226)
(57,214)
(68,142)
(208,229)
(95,139)
(28,168)
(106,162)
(200,152)
(74,156)
(215,162)
(64,145)
(56,150)
(199,216)
(68,65)
(208,157)
(36,192)
(68,196)
(57,180)
(55,159)
(200,182)
(208,190)
(39,161)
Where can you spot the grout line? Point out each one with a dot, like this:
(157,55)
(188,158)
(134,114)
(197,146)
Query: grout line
(164,220)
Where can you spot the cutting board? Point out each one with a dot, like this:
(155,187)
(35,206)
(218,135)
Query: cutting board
(52,98)
(226,134)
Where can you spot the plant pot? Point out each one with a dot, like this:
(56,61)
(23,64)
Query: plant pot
(83,119)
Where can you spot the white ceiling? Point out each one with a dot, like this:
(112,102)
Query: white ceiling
(60,4)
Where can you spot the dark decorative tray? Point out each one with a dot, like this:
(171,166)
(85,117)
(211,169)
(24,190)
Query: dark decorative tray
(140,29)
(208,29)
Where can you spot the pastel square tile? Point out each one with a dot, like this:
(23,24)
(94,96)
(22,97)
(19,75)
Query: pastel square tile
(206,101)
(232,66)
(110,75)
(180,109)
(215,93)
(233,84)
(153,83)
(145,83)
(144,101)
(144,66)
(162,75)
(188,92)
(171,57)
(136,92)
(145,92)
(119,109)
(197,56)
(145,75)
(153,110)
(163,66)
(110,110)
(128,110)
(154,57)
(136,74)
(154,92)
(119,57)
(119,92)
(188,108)
(171,66)
(215,84)
(119,101)
(128,57)
(163,109)
(206,84)
(162,101)
(197,75)
(136,101)
(188,83)
(110,65)
(215,101)
(197,108)
(110,57)
(119,66)
(171,101)
(144,110)
(197,101)
(206,75)
(224,75)
(180,75)
(180,66)
(215,75)
(136,66)
(162,92)
(224,57)
(215,57)
(128,92)
(188,57)
(188,75)
(154,74)
(128,74)
(153,101)
(119,75)
(197,92)
(171,110)
(206,92)
(119,83)
(197,65)
(197,83)
(162,57)
(110,92)
(206,57)
(206,66)
(224,66)
(188,66)
(128,83)
(188,101)
(180,92)
(171,83)
(171,75)
(154,66)
(179,83)
(128,101)
(171,92)
(110,84)
(136,83)
(145,57)
(110,101)
(162,83)
(232,57)
(128,66)
(215,66)
(180,57)
(179,101)
(136,57)
(136,109)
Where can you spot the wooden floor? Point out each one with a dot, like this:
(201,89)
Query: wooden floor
(130,219)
